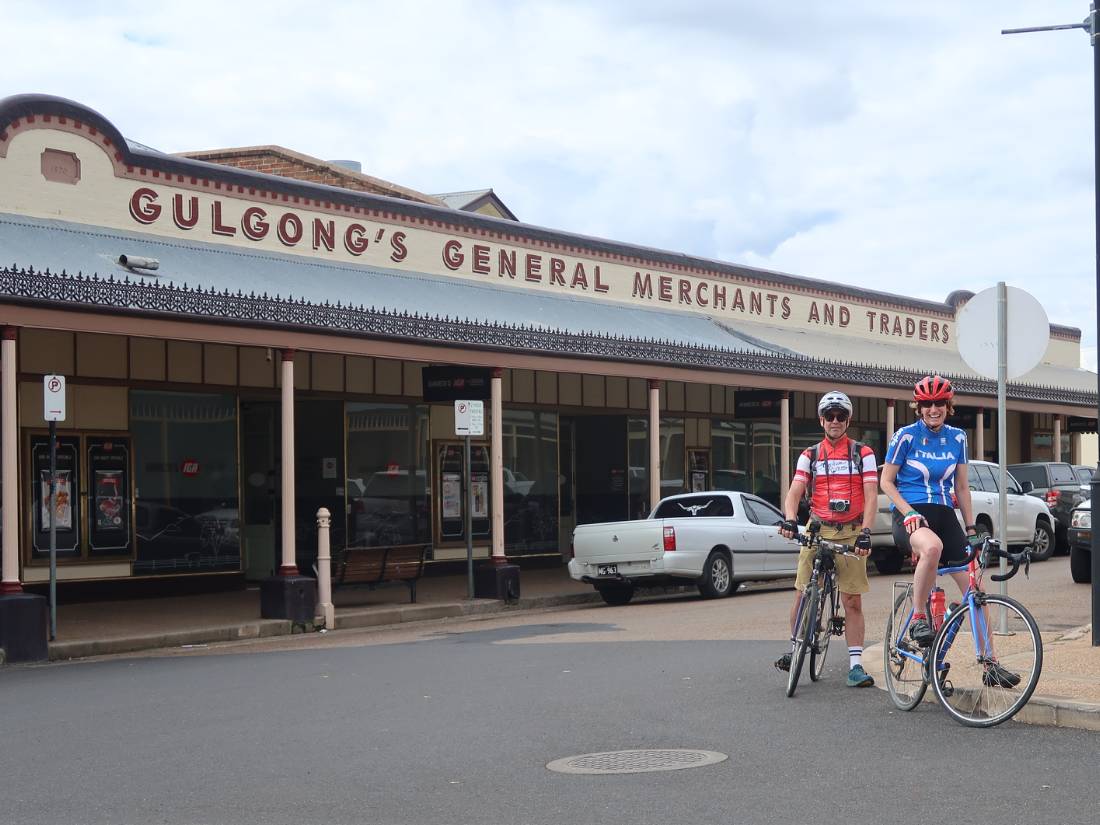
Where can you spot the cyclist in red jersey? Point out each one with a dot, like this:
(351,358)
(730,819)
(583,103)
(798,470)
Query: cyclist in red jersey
(844,486)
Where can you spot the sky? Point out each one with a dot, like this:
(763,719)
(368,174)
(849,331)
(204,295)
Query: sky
(908,148)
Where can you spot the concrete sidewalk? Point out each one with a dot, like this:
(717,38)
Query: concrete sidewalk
(1068,694)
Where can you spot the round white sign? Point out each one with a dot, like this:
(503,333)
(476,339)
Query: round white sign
(1026,341)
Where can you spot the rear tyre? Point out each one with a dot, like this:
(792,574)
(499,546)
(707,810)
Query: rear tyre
(803,635)
(717,581)
(617,594)
(1080,565)
(963,647)
(822,633)
(904,676)
(1043,542)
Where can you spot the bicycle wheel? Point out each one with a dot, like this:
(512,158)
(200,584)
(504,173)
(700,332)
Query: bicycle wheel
(803,635)
(823,629)
(965,646)
(904,675)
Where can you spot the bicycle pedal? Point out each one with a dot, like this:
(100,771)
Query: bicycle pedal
(947,689)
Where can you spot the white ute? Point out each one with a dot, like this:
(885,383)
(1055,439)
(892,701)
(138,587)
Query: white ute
(715,539)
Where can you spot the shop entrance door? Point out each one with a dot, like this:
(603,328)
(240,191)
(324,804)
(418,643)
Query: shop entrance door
(260,488)
(601,473)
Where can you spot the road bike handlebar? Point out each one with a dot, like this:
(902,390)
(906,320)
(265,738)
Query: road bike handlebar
(813,539)
(991,549)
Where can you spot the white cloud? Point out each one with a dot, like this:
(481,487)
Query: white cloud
(906,148)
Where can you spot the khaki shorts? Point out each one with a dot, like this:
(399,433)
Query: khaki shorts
(851,574)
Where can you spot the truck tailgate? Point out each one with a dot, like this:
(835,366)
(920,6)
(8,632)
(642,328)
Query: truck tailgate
(619,541)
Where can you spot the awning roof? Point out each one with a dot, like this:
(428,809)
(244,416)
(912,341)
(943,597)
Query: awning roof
(243,286)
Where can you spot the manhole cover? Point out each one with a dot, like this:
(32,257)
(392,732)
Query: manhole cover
(639,761)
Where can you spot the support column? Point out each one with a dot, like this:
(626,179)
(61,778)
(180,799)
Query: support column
(496,461)
(289,566)
(10,448)
(891,421)
(288,594)
(979,435)
(784,447)
(24,619)
(654,442)
(1057,445)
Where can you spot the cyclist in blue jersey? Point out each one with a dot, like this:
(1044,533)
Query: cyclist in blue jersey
(925,473)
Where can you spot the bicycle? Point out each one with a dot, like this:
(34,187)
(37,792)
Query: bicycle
(960,674)
(818,617)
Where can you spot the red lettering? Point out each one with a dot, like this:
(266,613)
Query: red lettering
(871,321)
(910,327)
(480,264)
(289,229)
(772,298)
(738,300)
(719,296)
(924,330)
(579,277)
(324,233)
(397,243)
(897,325)
(532,267)
(143,205)
(830,315)
(664,288)
(599,285)
(557,271)
(814,316)
(786,307)
(507,264)
(845,316)
(946,336)
(756,305)
(685,291)
(884,323)
(935,331)
(192,216)
(643,285)
(452,254)
(216,225)
(354,240)
(700,294)
(253,224)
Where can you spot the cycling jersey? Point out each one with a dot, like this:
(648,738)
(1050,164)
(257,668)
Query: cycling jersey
(836,477)
(927,462)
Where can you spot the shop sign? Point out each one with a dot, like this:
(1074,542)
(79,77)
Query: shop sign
(456,384)
(1078,424)
(756,403)
(189,468)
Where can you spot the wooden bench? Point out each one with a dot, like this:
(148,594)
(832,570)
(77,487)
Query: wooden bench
(373,566)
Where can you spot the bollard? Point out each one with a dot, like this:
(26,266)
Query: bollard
(326,613)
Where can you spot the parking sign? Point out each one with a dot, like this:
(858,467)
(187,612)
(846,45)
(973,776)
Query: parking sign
(53,397)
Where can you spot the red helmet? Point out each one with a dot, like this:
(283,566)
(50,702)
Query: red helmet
(932,388)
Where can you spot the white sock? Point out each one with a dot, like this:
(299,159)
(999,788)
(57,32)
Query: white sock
(855,656)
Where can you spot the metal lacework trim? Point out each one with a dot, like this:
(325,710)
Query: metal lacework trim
(78,291)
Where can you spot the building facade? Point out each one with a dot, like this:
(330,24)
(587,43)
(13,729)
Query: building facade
(242,348)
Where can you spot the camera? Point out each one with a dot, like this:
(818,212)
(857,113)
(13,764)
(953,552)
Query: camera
(839,505)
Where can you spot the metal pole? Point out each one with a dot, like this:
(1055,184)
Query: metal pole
(1094,33)
(53,530)
(1002,436)
(469,524)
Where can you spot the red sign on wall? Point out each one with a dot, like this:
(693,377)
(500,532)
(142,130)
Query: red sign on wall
(189,468)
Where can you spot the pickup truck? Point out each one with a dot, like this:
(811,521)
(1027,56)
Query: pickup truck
(715,540)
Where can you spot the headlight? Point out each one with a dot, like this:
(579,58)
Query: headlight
(1081,518)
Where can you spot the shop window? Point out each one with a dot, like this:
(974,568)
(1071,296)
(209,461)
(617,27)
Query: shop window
(745,455)
(388,479)
(673,462)
(531,475)
(185,455)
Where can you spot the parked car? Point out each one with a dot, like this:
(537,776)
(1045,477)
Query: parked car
(1084,476)
(715,539)
(1080,543)
(1029,519)
(1057,484)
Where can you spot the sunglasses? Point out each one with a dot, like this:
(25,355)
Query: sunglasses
(923,404)
(835,416)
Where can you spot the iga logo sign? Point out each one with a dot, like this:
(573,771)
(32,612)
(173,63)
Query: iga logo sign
(189,468)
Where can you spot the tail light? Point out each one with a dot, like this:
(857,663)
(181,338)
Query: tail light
(670,538)
(1052,497)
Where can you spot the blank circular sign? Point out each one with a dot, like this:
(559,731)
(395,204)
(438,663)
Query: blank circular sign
(1027,338)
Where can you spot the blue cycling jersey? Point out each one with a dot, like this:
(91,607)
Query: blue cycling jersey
(927,460)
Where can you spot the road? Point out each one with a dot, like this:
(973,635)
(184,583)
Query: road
(455,722)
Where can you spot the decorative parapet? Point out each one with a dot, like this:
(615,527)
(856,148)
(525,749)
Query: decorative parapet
(28,286)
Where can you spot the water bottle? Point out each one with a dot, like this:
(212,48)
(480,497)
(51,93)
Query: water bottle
(938,606)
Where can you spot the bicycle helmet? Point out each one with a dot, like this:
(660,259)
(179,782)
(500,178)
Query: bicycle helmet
(834,400)
(932,388)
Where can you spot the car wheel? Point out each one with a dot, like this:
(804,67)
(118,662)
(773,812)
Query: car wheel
(888,563)
(615,595)
(1080,565)
(717,580)
(1043,542)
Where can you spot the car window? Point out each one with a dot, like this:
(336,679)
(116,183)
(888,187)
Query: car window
(1084,475)
(988,477)
(695,507)
(1062,474)
(760,512)
(1033,473)
(1014,485)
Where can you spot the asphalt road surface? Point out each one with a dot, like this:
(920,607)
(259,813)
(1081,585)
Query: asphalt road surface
(455,722)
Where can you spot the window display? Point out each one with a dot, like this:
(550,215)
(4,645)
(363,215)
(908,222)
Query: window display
(530,440)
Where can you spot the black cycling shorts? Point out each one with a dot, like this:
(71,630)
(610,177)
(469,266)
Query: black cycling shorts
(944,524)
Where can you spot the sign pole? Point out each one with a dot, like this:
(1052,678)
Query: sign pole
(469,523)
(1002,436)
(53,530)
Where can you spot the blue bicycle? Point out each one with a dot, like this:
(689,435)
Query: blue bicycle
(979,683)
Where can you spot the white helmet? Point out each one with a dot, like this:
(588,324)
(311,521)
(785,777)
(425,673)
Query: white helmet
(834,400)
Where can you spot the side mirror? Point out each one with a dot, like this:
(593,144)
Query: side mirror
(1027,486)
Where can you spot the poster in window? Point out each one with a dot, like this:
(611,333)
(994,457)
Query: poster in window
(699,467)
(66,513)
(481,498)
(479,477)
(109,495)
(452,495)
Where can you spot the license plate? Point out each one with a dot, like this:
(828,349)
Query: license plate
(607,569)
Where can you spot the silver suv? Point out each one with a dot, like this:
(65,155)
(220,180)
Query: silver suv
(1029,518)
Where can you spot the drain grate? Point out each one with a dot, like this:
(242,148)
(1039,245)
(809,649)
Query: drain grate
(636,761)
